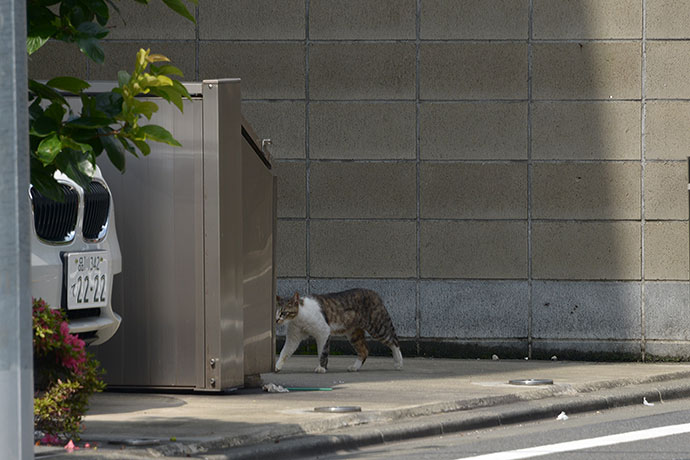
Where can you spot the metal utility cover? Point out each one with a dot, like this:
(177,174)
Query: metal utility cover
(531,382)
(338,409)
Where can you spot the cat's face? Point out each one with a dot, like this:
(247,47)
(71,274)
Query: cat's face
(287,308)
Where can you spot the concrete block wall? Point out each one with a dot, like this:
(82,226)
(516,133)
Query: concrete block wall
(510,174)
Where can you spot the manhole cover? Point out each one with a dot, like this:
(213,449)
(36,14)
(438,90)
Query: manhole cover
(531,382)
(338,409)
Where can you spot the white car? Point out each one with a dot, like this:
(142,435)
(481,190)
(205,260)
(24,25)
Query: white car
(74,256)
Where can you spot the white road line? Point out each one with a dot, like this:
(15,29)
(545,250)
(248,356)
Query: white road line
(585,443)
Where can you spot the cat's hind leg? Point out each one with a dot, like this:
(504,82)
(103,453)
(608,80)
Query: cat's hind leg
(389,339)
(397,357)
(359,343)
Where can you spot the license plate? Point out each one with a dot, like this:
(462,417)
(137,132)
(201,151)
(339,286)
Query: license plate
(87,279)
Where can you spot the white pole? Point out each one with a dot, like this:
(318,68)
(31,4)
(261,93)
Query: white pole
(16,379)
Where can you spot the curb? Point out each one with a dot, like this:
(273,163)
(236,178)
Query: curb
(368,428)
(455,422)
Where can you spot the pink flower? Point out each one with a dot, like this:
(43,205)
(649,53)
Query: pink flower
(70,363)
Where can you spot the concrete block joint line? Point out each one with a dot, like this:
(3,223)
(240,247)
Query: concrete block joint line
(536,111)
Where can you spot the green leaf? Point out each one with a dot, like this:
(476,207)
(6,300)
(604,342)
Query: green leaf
(85,136)
(40,26)
(179,7)
(146,108)
(92,29)
(181,89)
(77,165)
(90,122)
(125,143)
(109,103)
(95,143)
(43,126)
(158,134)
(48,149)
(166,70)
(92,48)
(141,60)
(123,78)
(147,80)
(72,144)
(156,58)
(143,147)
(70,84)
(34,43)
(35,110)
(45,92)
(55,111)
(44,2)
(88,105)
(169,93)
(114,150)
(73,12)
(99,8)
(42,178)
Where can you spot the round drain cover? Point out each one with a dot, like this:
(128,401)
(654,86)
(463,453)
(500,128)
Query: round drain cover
(531,382)
(338,409)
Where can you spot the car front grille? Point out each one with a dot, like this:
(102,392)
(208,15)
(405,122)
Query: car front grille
(55,221)
(96,208)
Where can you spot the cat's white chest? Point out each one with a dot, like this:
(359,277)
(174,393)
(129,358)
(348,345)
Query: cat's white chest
(310,319)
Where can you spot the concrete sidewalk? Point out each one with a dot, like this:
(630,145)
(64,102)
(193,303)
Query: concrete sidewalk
(429,396)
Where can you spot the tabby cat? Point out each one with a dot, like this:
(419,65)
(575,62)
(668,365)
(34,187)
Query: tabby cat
(349,313)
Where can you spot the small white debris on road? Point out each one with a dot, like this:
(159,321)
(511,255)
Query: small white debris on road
(562,416)
(646,403)
(273,388)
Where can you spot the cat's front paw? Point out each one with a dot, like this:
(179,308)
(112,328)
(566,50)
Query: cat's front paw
(320,370)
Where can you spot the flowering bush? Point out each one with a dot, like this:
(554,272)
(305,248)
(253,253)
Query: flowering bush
(65,375)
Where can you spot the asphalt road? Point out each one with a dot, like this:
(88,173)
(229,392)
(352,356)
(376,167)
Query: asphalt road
(593,431)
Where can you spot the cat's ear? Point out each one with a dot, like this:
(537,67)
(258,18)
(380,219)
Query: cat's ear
(296,296)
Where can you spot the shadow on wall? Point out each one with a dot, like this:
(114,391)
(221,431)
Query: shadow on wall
(529,173)
(586,233)
(480,163)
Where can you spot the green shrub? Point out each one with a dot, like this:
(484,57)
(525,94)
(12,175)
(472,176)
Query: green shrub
(65,376)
